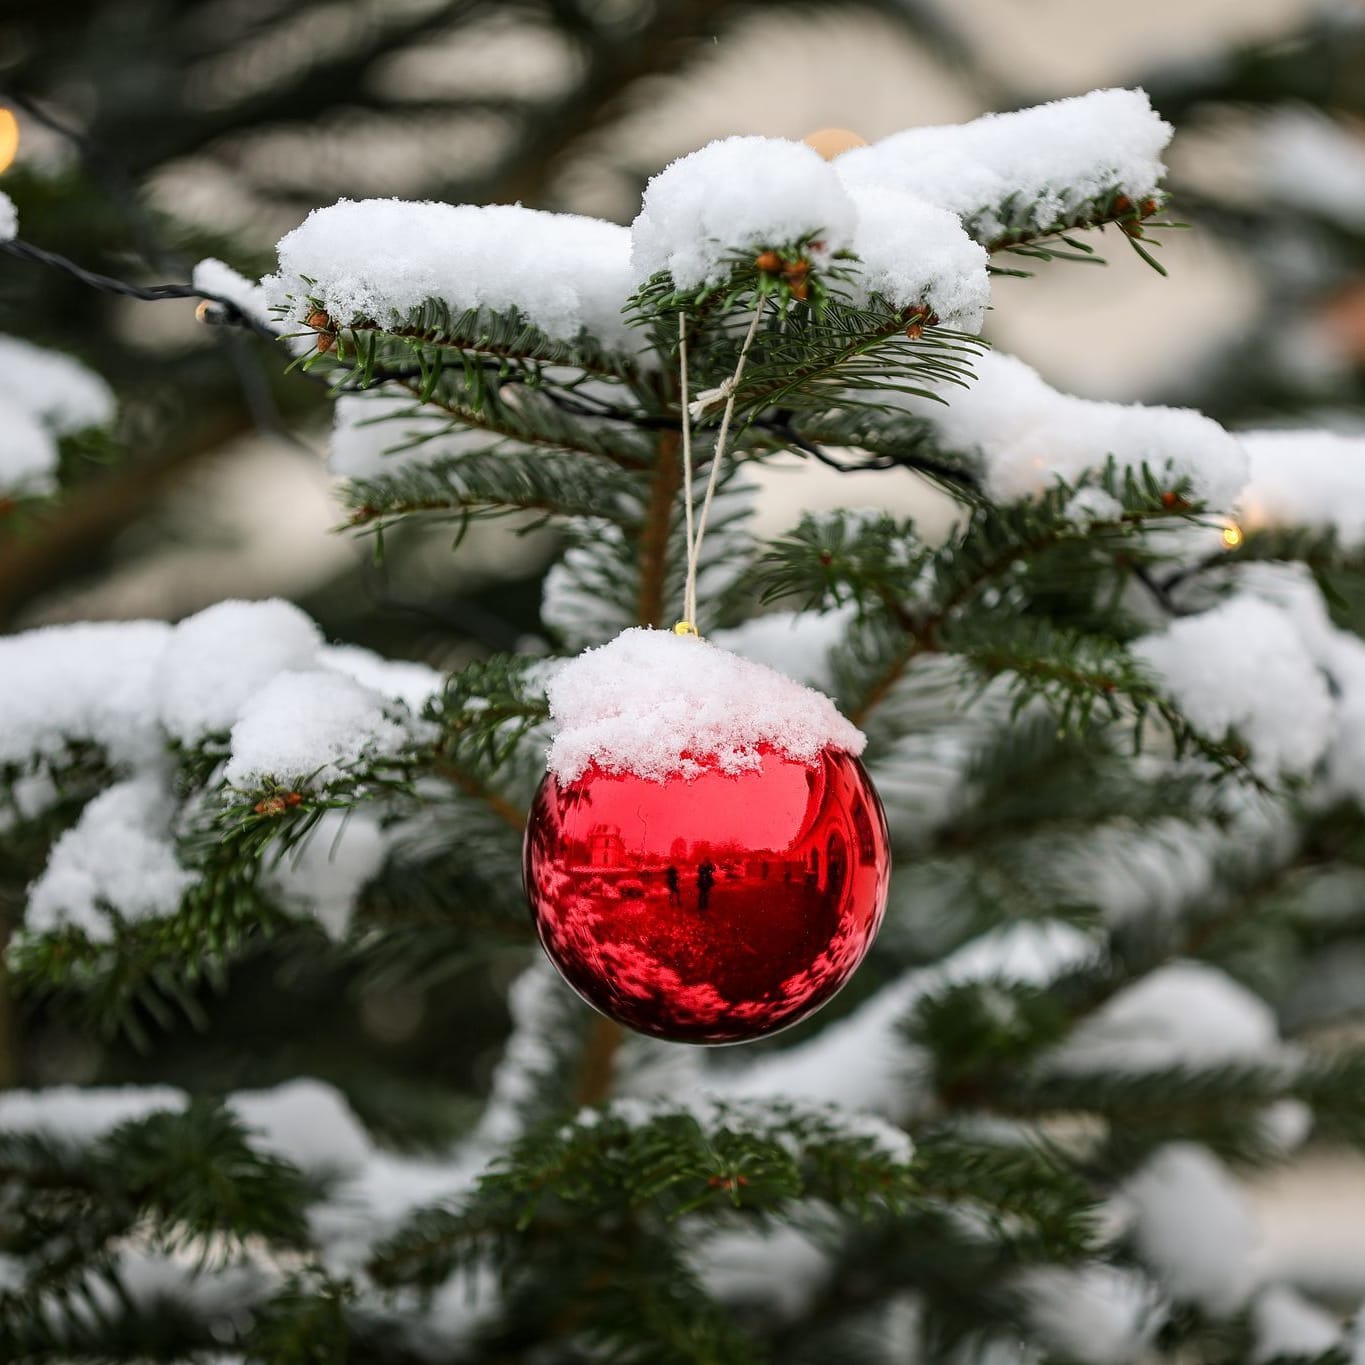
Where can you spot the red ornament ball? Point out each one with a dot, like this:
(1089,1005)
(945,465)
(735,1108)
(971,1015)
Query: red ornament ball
(711,909)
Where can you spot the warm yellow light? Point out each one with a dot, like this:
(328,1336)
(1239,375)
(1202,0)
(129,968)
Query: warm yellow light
(9,138)
(1232,535)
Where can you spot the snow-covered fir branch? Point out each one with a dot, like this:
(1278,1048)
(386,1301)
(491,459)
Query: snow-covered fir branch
(1117,722)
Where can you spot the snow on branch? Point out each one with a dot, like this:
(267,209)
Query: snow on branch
(117,858)
(739,194)
(1307,479)
(381,259)
(44,396)
(1242,667)
(1027,435)
(916,255)
(244,695)
(1033,171)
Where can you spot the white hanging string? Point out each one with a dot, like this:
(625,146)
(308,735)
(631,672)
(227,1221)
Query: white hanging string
(690,591)
(688,625)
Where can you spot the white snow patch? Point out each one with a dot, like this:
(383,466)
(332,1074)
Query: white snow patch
(54,388)
(402,680)
(1338,653)
(1313,162)
(1242,665)
(1313,479)
(658,704)
(1287,1324)
(1285,1125)
(307,1122)
(797,643)
(912,253)
(781,1268)
(90,682)
(28,454)
(221,656)
(117,857)
(862,1062)
(376,433)
(537,1002)
(1101,1314)
(1183,1014)
(377,1195)
(307,728)
(1193,1226)
(1027,435)
(325,873)
(212,276)
(738,194)
(79,1115)
(382,258)
(1050,161)
(1091,505)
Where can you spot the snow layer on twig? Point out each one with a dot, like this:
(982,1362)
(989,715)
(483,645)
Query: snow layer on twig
(852,1061)
(307,1122)
(117,857)
(383,258)
(78,1114)
(1102,1314)
(1195,1229)
(914,253)
(1286,1324)
(89,682)
(1242,666)
(44,395)
(378,432)
(738,194)
(307,728)
(1311,161)
(1026,434)
(325,872)
(1313,479)
(1183,1014)
(1029,170)
(219,657)
(54,388)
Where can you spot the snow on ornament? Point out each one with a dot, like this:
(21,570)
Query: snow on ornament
(706,859)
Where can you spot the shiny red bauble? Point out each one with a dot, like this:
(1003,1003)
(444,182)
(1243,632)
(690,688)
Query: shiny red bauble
(715,909)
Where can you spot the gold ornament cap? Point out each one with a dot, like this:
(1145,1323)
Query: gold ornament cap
(832,142)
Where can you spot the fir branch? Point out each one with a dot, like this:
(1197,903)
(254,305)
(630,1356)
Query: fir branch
(591,1173)
(537,424)
(852,354)
(993,542)
(1054,240)
(485,484)
(505,338)
(187,1180)
(1080,675)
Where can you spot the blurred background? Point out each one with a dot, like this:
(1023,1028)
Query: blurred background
(158,132)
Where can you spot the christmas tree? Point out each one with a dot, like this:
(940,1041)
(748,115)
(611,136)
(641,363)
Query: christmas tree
(1109,714)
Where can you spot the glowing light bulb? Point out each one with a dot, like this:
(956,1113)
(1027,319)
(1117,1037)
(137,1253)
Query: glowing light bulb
(9,138)
(1232,536)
